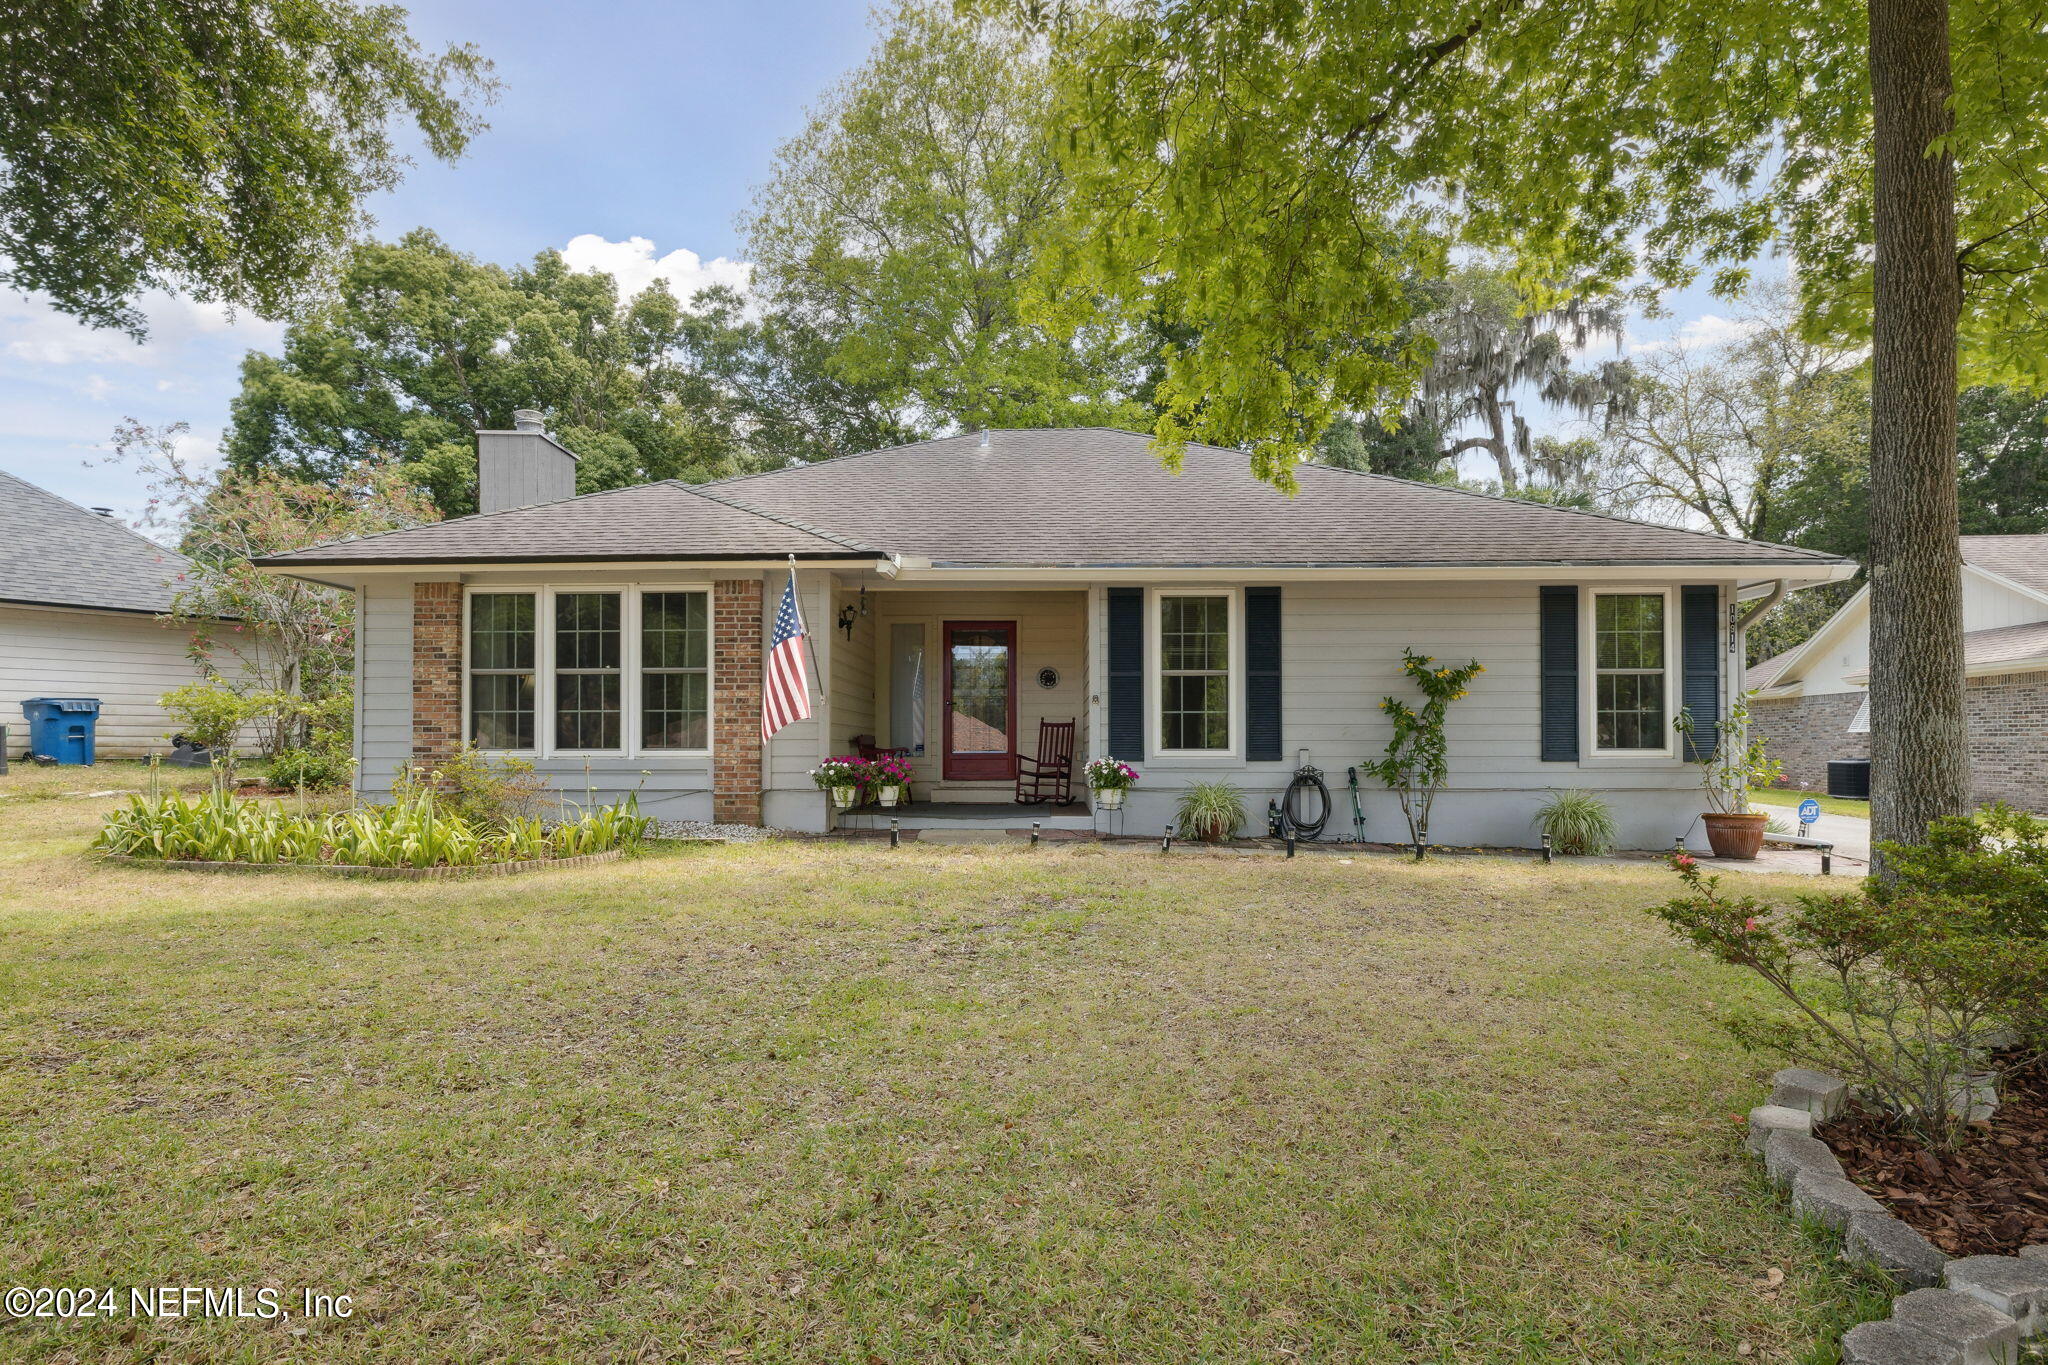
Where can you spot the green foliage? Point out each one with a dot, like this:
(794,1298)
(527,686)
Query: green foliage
(1276,174)
(222,149)
(1739,763)
(1209,811)
(902,227)
(1904,996)
(1412,449)
(1578,823)
(211,713)
(421,346)
(1997,857)
(415,830)
(312,767)
(1417,760)
(288,640)
(490,793)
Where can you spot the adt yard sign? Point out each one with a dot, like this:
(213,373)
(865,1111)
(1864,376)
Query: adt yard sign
(1809,811)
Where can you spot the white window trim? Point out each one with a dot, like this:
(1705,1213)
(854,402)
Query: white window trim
(633,744)
(1589,674)
(1233,677)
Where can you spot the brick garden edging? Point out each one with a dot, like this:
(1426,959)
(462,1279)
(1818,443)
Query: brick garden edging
(398,874)
(1972,1310)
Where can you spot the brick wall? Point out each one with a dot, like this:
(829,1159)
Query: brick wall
(736,701)
(436,670)
(2008,719)
(1803,733)
(2007,716)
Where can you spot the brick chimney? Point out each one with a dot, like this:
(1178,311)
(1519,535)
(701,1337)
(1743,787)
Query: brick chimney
(522,467)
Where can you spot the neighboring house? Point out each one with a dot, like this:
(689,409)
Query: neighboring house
(80,600)
(1200,624)
(1811,703)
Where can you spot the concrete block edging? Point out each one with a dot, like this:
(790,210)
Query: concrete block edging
(1976,1310)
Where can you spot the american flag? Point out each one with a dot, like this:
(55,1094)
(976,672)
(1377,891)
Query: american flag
(787,693)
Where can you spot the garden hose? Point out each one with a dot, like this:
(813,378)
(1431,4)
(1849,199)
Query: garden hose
(1295,802)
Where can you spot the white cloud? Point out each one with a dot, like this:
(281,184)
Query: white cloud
(1702,333)
(635,266)
(34,332)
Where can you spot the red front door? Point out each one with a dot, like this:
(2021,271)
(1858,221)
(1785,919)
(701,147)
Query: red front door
(981,701)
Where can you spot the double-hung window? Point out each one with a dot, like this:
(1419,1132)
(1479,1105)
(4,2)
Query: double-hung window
(501,676)
(675,670)
(1194,688)
(589,668)
(560,671)
(1631,673)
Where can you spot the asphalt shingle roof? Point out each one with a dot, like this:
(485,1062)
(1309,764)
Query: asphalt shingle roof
(667,520)
(2023,559)
(56,553)
(1087,497)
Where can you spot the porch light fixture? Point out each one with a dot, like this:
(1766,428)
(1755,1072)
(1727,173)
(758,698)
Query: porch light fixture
(852,612)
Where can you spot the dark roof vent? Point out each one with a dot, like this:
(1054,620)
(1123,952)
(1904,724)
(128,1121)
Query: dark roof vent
(104,511)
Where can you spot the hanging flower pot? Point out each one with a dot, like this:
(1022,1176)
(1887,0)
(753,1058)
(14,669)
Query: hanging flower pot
(843,796)
(1109,798)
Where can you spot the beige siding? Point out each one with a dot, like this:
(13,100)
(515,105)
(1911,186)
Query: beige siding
(1051,633)
(853,671)
(125,660)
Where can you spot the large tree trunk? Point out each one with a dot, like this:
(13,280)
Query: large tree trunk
(1920,766)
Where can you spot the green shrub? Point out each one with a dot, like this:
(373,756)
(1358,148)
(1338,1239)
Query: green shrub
(1998,856)
(313,768)
(412,832)
(1905,994)
(481,790)
(1577,822)
(210,713)
(1209,811)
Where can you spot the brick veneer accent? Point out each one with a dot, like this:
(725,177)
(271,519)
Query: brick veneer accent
(1803,733)
(736,701)
(436,670)
(2007,718)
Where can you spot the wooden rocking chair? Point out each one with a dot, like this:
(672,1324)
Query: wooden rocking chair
(1050,776)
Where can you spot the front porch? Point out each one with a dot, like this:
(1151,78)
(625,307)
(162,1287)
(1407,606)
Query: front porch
(960,681)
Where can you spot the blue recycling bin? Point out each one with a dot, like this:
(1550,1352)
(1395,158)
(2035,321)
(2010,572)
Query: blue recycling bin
(62,728)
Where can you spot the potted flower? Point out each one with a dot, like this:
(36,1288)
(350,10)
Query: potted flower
(889,776)
(842,777)
(1737,765)
(1109,779)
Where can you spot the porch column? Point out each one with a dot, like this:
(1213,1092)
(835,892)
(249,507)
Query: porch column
(736,701)
(436,670)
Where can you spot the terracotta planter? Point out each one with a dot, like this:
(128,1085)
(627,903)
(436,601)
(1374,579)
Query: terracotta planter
(1736,836)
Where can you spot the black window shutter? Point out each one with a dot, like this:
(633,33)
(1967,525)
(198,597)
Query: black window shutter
(1127,673)
(1558,666)
(1262,738)
(1699,639)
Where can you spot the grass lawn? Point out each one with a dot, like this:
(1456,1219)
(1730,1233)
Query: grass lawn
(831,1103)
(1790,797)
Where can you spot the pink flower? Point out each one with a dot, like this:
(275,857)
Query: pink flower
(1684,862)
(1749,925)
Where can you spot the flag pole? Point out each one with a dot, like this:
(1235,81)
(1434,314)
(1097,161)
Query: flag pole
(810,655)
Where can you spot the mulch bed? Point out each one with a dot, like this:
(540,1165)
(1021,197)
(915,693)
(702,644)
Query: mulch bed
(1989,1197)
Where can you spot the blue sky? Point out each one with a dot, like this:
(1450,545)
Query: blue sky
(631,134)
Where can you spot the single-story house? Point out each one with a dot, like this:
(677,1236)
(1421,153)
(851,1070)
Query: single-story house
(81,597)
(958,592)
(1811,702)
